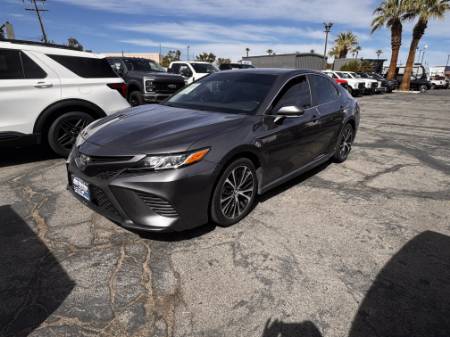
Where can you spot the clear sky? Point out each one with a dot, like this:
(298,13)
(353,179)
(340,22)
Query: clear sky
(225,28)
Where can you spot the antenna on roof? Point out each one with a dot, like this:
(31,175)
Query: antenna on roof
(38,13)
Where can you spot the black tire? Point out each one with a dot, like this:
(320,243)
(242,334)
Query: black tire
(423,88)
(344,143)
(65,129)
(135,98)
(226,195)
(433,87)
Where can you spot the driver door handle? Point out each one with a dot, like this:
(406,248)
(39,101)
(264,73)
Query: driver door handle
(43,85)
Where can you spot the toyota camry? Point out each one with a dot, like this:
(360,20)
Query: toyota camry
(206,153)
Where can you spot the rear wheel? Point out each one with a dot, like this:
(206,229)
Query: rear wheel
(65,129)
(344,145)
(423,88)
(235,193)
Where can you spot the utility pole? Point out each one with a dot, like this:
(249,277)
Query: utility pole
(38,13)
(327,29)
(448,60)
(187,59)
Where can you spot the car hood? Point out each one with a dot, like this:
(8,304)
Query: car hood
(156,75)
(154,129)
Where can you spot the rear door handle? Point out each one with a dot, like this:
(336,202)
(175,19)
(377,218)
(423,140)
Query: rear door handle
(43,85)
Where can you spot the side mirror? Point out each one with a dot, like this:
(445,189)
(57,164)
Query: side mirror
(290,110)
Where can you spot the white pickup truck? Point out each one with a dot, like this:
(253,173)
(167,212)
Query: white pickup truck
(439,82)
(191,70)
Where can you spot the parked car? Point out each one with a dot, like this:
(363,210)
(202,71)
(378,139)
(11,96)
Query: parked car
(209,150)
(382,83)
(231,66)
(419,78)
(192,70)
(371,86)
(355,86)
(48,93)
(390,85)
(147,81)
(439,82)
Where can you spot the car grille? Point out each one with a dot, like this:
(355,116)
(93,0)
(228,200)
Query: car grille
(166,87)
(100,199)
(361,86)
(374,85)
(157,204)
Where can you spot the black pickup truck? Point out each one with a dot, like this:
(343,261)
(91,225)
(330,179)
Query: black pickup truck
(147,81)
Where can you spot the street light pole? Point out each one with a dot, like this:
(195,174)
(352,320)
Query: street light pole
(327,29)
(188,52)
(423,53)
(448,60)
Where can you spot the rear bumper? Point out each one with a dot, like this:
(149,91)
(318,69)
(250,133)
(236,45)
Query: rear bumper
(162,201)
(381,89)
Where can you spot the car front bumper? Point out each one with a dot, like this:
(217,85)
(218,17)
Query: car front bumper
(155,97)
(159,201)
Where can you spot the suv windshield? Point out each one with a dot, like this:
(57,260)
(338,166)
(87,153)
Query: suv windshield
(143,65)
(204,68)
(232,92)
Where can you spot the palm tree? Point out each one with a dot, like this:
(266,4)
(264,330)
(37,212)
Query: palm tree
(379,52)
(344,43)
(355,51)
(269,51)
(425,10)
(247,50)
(391,13)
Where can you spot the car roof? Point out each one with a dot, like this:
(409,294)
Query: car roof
(46,48)
(277,71)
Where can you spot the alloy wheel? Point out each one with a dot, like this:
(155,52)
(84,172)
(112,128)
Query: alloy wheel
(237,192)
(68,129)
(346,142)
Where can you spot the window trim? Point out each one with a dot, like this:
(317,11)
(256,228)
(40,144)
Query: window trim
(23,67)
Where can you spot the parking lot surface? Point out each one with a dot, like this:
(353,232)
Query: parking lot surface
(354,249)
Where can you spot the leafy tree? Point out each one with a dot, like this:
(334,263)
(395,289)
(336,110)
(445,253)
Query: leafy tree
(358,66)
(269,51)
(247,50)
(391,13)
(425,10)
(73,43)
(355,51)
(222,61)
(344,43)
(171,56)
(206,57)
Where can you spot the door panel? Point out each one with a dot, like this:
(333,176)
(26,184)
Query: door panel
(23,99)
(289,143)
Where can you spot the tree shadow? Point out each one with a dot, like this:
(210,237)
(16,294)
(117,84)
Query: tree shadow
(32,282)
(410,296)
(25,154)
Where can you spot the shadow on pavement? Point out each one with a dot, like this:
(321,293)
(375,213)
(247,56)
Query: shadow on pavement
(32,282)
(25,154)
(177,236)
(409,297)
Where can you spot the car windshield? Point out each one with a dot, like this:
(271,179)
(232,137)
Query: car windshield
(231,92)
(143,65)
(204,68)
(363,75)
(343,75)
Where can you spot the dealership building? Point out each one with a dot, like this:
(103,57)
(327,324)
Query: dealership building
(295,60)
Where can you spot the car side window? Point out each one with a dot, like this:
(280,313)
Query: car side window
(30,69)
(10,65)
(176,68)
(296,92)
(322,90)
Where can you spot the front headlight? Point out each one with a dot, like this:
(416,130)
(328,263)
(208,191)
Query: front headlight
(165,162)
(148,82)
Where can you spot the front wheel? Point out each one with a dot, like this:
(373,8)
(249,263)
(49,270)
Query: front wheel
(235,193)
(344,145)
(423,88)
(135,98)
(64,131)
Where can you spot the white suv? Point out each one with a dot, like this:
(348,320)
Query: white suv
(192,70)
(356,86)
(49,93)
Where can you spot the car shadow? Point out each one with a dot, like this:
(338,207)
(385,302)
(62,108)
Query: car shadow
(32,282)
(25,154)
(409,297)
(291,183)
(177,236)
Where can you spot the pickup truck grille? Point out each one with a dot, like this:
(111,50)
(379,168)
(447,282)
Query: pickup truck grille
(166,87)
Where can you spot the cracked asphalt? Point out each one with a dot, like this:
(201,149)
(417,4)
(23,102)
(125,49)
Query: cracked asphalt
(354,249)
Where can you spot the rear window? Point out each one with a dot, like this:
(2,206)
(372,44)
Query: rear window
(85,66)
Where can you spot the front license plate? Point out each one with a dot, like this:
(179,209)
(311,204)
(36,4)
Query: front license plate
(81,187)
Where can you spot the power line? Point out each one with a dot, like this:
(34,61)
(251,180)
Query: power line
(38,13)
